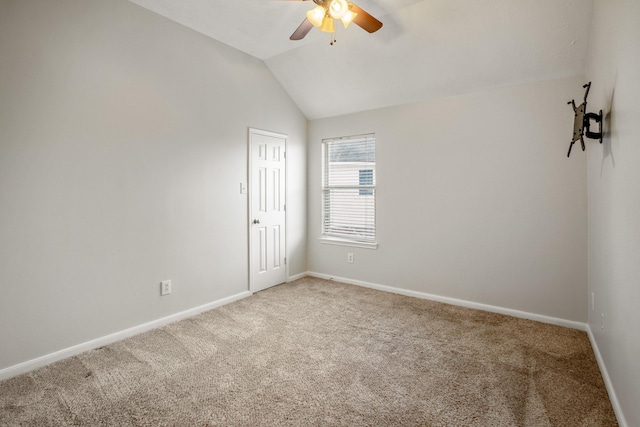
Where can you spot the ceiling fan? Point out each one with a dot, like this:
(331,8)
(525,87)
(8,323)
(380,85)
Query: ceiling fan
(326,11)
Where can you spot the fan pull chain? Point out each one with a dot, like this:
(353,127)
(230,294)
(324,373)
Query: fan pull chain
(333,39)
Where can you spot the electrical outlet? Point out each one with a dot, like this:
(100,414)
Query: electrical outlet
(165,287)
(593,301)
(350,258)
(602,321)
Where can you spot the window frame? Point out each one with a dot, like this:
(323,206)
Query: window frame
(337,238)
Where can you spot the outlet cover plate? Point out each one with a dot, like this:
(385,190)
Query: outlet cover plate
(165,287)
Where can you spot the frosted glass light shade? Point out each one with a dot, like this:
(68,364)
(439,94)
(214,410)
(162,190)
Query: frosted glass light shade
(348,18)
(316,15)
(338,8)
(327,25)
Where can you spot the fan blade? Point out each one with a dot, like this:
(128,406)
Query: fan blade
(364,20)
(302,30)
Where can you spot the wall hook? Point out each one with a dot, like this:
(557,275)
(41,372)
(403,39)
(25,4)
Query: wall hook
(582,122)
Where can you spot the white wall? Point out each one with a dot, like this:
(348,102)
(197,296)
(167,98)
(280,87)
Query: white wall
(614,197)
(476,199)
(123,142)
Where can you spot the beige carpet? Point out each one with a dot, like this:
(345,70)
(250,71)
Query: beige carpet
(316,352)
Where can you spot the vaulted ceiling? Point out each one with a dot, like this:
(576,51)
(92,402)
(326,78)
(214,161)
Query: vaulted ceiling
(426,48)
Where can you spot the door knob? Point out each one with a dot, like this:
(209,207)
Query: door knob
(256,221)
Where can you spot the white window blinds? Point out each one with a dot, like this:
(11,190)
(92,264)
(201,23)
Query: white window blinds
(349,188)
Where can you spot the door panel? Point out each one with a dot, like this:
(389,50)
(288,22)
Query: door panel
(267,209)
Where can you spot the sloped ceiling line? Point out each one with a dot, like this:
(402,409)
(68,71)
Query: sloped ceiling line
(426,48)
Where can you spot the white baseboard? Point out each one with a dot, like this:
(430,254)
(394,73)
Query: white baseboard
(453,301)
(297,276)
(607,380)
(47,359)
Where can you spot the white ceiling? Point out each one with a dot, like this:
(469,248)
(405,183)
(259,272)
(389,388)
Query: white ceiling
(426,48)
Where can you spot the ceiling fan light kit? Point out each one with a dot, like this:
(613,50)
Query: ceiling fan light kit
(326,11)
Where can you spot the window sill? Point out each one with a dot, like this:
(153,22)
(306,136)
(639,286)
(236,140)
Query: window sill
(345,242)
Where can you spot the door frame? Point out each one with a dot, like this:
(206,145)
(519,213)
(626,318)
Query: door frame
(250,132)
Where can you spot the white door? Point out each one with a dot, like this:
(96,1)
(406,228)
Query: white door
(267,209)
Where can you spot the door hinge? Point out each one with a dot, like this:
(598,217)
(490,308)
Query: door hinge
(285,207)
(285,260)
(284,154)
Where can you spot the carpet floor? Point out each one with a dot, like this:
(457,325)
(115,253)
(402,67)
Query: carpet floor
(315,353)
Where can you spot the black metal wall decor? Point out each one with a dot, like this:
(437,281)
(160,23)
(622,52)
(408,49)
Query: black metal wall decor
(582,121)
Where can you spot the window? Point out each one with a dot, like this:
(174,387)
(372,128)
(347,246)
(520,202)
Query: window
(349,189)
